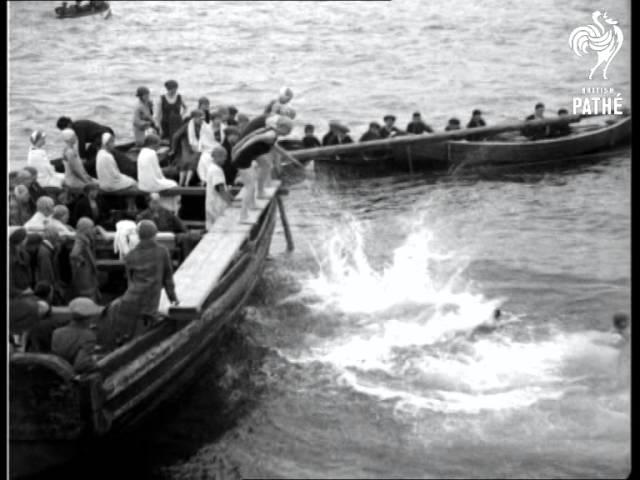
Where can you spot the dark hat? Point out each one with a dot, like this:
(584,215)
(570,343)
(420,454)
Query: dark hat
(392,117)
(454,121)
(374,125)
(142,91)
(83,307)
(308,126)
(563,111)
(338,126)
(476,112)
(539,105)
(620,320)
(416,114)
(170,84)
(17,236)
(232,110)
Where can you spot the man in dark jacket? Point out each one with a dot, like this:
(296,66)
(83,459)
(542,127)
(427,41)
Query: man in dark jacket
(389,129)
(417,126)
(372,134)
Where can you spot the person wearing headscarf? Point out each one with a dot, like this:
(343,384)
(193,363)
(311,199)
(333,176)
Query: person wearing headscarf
(75,175)
(170,110)
(149,270)
(83,260)
(284,96)
(142,115)
(89,135)
(38,159)
(109,176)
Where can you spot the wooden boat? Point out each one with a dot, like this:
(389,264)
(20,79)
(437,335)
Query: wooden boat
(74,11)
(55,413)
(444,152)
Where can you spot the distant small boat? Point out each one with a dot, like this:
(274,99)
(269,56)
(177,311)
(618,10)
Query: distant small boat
(92,8)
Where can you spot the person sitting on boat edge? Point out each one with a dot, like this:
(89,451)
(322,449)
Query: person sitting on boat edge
(310,140)
(75,175)
(148,269)
(38,158)
(453,124)
(143,116)
(475,122)
(537,132)
(285,95)
(87,132)
(561,129)
(388,128)
(417,126)
(217,198)
(170,110)
(150,175)
(110,177)
(76,341)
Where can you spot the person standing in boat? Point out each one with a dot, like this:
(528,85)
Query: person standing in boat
(109,176)
(217,198)
(538,132)
(87,133)
(143,115)
(185,144)
(148,267)
(206,143)
(75,175)
(246,152)
(170,110)
(389,128)
(284,97)
(417,126)
(38,159)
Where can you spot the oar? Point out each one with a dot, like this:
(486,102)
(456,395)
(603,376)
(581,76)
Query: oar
(406,140)
(287,155)
(107,14)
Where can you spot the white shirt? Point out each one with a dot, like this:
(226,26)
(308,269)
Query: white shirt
(150,176)
(39,221)
(109,176)
(207,140)
(47,175)
(214,202)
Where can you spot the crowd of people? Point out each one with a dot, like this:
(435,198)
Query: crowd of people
(57,218)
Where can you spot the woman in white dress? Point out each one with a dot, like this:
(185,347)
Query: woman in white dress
(109,176)
(217,198)
(150,176)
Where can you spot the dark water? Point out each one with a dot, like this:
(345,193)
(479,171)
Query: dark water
(352,360)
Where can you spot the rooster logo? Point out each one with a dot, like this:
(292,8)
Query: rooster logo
(605,40)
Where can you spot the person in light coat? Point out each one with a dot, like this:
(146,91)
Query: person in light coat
(109,176)
(150,176)
(38,158)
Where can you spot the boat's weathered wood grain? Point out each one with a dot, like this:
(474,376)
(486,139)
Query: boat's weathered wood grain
(199,273)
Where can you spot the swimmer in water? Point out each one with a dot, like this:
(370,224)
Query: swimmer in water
(487,327)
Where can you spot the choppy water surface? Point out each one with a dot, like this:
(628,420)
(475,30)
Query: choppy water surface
(353,358)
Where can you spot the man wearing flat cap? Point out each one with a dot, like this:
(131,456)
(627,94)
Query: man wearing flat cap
(76,341)
(389,129)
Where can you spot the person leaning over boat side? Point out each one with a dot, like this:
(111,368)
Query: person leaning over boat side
(148,267)
(87,132)
(417,126)
(373,133)
(143,115)
(310,140)
(75,175)
(248,149)
(76,341)
(388,128)
(284,97)
(83,261)
(170,110)
(38,159)
(150,176)
(217,198)
(109,176)
(453,124)
(538,132)
(561,129)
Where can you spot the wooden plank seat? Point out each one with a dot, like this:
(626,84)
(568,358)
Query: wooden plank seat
(199,273)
